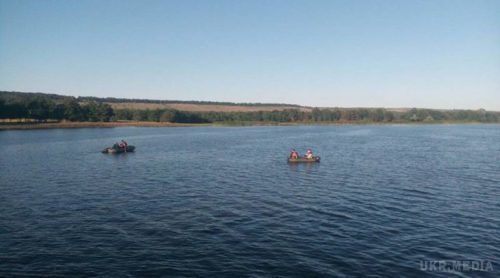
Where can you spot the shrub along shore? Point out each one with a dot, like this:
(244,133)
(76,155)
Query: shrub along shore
(35,110)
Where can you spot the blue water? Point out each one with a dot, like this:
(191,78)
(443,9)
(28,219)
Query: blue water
(222,201)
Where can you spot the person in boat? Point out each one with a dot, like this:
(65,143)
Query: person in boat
(309,154)
(123,144)
(294,154)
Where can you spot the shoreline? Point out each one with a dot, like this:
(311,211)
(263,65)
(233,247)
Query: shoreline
(70,125)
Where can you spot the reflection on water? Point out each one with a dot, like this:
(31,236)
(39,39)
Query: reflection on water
(306,167)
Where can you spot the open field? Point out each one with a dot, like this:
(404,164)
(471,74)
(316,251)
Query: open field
(201,107)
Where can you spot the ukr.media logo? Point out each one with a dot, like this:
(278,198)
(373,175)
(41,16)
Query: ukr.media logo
(456,266)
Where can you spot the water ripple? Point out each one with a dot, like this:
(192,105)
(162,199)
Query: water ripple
(224,202)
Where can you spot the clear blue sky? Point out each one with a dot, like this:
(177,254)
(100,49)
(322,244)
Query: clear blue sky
(435,54)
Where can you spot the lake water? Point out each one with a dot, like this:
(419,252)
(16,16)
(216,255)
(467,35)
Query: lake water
(222,201)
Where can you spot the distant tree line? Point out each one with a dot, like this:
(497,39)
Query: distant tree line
(316,115)
(7,94)
(355,115)
(159,115)
(41,107)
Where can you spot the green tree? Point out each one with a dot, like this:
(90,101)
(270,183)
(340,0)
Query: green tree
(167,116)
(377,115)
(98,112)
(3,109)
(124,114)
(388,116)
(39,108)
(140,115)
(73,111)
(58,112)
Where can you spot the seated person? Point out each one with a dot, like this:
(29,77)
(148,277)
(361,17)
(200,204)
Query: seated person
(294,154)
(309,154)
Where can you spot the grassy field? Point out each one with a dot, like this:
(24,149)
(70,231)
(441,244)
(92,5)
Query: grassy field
(200,107)
(204,107)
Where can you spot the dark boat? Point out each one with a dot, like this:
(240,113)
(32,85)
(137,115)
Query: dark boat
(304,160)
(115,149)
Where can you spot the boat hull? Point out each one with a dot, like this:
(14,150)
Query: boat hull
(129,149)
(315,159)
